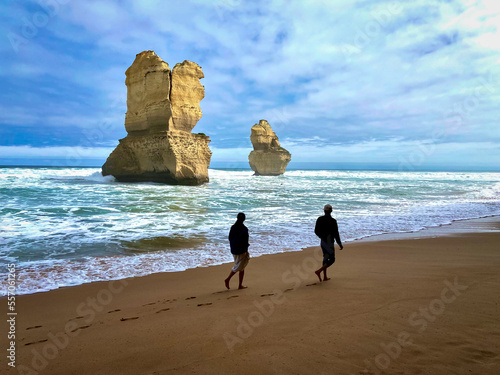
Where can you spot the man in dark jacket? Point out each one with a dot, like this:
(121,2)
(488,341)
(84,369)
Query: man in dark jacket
(238,240)
(328,231)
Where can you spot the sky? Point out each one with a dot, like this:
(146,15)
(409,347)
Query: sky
(405,84)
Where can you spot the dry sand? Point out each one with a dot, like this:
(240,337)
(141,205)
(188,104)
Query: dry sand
(410,306)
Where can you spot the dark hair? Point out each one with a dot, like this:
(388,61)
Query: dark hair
(241,217)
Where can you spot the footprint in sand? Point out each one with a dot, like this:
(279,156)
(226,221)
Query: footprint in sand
(312,284)
(149,304)
(35,342)
(288,290)
(479,354)
(33,327)
(190,298)
(78,317)
(232,297)
(79,328)
(456,343)
(112,311)
(205,304)
(267,295)
(168,308)
(131,318)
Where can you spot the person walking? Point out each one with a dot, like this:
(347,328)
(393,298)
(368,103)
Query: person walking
(238,240)
(328,231)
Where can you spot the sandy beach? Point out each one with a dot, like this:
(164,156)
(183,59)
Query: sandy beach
(425,303)
(138,137)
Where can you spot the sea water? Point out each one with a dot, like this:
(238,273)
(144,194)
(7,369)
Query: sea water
(68,226)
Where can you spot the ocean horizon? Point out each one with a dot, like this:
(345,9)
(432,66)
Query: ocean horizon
(243,165)
(66,226)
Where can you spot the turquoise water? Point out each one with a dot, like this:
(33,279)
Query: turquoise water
(67,226)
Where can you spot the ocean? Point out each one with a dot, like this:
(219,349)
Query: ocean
(69,226)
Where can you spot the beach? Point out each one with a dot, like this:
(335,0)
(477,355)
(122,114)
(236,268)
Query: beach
(137,136)
(421,303)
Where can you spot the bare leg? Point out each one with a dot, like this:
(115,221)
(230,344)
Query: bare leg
(242,274)
(231,274)
(324,275)
(318,272)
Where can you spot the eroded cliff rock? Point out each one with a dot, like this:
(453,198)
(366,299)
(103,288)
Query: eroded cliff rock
(268,158)
(186,94)
(162,109)
(148,95)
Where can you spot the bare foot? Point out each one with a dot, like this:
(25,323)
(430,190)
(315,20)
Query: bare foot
(326,278)
(318,273)
(227,283)
(242,287)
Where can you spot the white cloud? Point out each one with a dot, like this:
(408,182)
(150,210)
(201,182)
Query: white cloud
(28,152)
(407,154)
(239,154)
(17,116)
(344,71)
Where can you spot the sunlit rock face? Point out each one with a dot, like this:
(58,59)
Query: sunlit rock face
(148,95)
(163,106)
(268,158)
(186,95)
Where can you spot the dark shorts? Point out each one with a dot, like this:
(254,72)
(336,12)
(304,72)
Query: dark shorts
(328,253)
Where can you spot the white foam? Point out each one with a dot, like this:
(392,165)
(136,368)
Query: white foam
(73,222)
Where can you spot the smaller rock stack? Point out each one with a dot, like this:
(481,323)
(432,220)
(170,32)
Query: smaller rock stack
(268,158)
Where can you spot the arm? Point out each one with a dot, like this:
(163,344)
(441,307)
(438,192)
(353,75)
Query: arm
(337,235)
(317,228)
(245,238)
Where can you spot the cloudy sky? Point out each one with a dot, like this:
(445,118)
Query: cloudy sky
(410,84)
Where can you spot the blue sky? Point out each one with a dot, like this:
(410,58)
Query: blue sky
(411,84)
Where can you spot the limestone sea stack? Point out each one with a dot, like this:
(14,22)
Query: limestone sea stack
(163,106)
(268,158)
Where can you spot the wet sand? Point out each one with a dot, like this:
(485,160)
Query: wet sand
(420,304)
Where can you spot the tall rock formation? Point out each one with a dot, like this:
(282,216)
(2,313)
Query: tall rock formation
(186,94)
(163,106)
(268,158)
(148,95)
